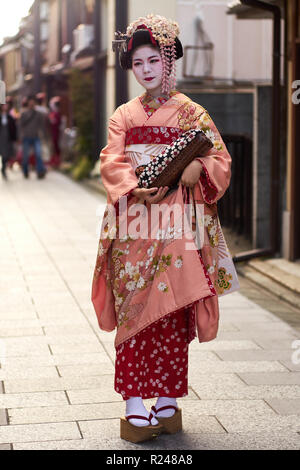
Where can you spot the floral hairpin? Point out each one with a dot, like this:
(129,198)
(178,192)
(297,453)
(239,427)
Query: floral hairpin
(164,31)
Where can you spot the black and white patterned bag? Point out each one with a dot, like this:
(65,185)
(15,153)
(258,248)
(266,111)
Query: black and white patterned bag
(166,168)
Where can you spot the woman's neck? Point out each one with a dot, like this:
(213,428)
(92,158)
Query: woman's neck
(156,93)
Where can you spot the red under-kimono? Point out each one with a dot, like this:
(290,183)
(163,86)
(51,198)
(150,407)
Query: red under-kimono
(158,294)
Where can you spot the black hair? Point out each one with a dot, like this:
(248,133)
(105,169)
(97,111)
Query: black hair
(141,37)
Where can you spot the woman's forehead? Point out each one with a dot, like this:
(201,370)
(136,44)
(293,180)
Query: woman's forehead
(145,52)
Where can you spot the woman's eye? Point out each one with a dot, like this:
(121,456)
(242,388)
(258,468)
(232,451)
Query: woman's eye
(153,61)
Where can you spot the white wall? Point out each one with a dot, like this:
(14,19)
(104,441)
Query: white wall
(242,48)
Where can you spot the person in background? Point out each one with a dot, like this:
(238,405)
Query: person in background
(42,108)
(31,127)
(55,123)
(8,135)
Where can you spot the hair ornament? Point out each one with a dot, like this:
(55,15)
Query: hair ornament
(163,33)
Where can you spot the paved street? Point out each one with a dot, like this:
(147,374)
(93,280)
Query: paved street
(56,375)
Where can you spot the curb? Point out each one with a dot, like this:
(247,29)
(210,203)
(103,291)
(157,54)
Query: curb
(262,278)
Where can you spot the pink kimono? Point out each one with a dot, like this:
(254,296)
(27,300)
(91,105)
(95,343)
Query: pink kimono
(140,282)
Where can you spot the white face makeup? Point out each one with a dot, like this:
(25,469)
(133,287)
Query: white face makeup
(148,69)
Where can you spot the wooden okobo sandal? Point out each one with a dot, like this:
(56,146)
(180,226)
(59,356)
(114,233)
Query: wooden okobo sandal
(135,434)
(170,425)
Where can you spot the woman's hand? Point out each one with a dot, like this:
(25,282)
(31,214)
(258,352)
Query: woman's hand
(191,174)
(144,194)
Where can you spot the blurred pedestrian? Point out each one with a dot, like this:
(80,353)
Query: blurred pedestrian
(55,123)
(42,108)
(8,135)
(31,126)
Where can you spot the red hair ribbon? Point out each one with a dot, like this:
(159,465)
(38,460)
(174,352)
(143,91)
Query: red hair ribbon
(142,26)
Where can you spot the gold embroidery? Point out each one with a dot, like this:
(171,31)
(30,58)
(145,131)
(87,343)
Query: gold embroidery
(222,283)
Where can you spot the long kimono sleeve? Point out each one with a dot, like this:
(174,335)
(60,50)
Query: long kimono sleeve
(117,175)
(216,172)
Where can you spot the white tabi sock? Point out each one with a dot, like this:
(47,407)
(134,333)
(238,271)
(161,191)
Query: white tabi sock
(165,401)
(135,406)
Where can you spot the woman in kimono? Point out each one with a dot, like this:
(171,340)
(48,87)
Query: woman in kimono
(159,291)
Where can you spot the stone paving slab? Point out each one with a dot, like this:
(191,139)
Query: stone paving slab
(271,378)
(26,400)
(235,366)
(207,390)
(275,343)
(284,406)
(29,372)
(291,366)
(256,335)
(54,384)
(61,330)
(65,413)
(5,447)
(41,322)
(262,327)
(224,345)
(282,355)
(76,348)
(59,359)
(17,313)
(13,332)
(97,443)
(38,432)
(3,417)
(99,369)
(17,349)
(260,423)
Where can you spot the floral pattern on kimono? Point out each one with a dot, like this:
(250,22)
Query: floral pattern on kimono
(151,104)
(138,281)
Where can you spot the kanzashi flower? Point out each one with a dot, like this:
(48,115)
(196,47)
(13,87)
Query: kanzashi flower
(164,31)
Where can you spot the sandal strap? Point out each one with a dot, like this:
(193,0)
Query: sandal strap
(139,417)
(167,407)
